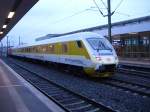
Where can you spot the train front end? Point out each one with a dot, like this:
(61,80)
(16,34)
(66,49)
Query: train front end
(103,57)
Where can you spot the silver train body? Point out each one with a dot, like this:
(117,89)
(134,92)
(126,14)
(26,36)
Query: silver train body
(89,51)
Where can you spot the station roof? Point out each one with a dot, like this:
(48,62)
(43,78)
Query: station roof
(116,24)
(11,11)
(101,27)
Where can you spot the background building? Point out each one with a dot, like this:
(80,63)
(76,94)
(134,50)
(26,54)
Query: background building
(131,38)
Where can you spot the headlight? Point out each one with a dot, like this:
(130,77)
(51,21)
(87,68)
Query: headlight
(98,58)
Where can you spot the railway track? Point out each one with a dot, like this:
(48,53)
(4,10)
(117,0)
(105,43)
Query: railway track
(132,70)
(69,100)
(128,86)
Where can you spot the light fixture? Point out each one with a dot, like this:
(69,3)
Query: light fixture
(11,14)
(4,26)
(1,32)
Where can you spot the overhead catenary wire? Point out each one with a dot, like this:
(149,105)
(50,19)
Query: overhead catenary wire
(107,7)
(123,14)
(104,4)
(117,6)
(99,8)
(77,13)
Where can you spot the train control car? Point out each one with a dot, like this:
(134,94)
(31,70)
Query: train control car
(86,50)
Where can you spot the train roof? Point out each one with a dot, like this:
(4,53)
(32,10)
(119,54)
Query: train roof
(76,36)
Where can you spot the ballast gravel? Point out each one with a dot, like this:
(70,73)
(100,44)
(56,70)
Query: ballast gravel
(118,99)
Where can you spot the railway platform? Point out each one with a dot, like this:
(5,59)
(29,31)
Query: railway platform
(145,63)
(17,95)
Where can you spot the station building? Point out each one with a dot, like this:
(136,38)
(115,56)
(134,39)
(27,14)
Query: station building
(131,38)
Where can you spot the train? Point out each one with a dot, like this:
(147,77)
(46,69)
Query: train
(87,51)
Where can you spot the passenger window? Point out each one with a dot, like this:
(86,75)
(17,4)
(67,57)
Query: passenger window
(64,48)
(79,44)
(51,48)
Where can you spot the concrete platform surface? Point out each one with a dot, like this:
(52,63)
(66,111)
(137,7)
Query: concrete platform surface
(17,95)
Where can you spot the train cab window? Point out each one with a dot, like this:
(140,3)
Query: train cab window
(79,44)
(64,48)
(99,44)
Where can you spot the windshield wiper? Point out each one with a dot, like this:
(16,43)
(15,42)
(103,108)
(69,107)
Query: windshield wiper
(104,47)
(98,47)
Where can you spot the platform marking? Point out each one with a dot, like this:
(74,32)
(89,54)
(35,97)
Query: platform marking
(48,103)
(19,104)
(7,86)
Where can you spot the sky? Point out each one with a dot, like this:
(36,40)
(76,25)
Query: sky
(61,16)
